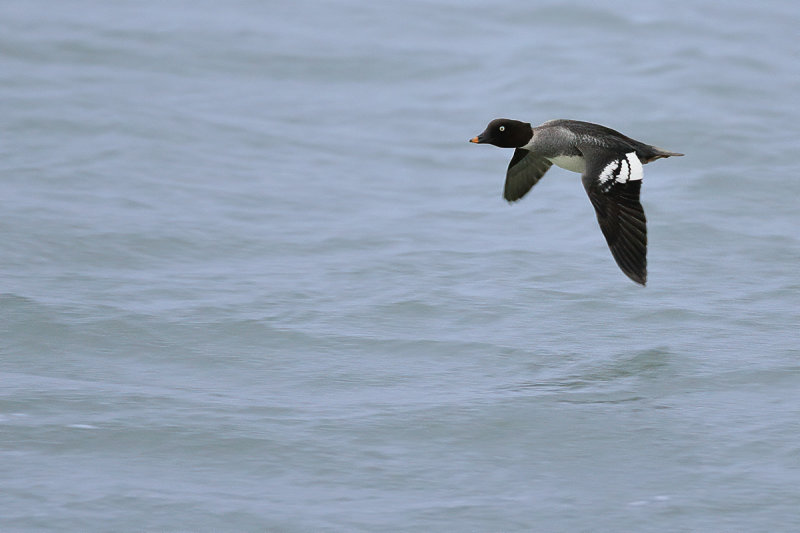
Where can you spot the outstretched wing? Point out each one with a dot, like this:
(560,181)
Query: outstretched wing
(524,170)
(613,186)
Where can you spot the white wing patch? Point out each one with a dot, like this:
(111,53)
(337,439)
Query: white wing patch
(621,171)
(637,172)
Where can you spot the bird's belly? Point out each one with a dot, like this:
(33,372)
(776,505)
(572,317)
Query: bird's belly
(575,163)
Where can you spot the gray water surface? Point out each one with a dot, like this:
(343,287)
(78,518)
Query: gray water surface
(254,277)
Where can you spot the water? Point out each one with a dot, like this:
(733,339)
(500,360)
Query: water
(254,278)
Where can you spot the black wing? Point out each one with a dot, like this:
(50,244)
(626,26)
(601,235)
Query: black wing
(524,170)
(613,187)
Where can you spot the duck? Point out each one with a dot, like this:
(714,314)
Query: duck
(610,165)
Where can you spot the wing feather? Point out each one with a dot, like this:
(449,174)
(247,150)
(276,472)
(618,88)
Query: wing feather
(615,198)
(524,171)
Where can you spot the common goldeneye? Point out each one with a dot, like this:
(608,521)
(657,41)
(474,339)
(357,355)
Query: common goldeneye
(611,168)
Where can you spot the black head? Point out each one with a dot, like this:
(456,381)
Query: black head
(505,133)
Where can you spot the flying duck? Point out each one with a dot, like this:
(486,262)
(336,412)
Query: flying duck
(610,164)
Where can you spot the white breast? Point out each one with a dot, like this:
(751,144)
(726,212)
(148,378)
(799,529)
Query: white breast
(575,163)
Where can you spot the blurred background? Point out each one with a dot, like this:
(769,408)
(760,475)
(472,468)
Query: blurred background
(254,278)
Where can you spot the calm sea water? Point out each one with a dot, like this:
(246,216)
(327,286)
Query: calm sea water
(254,278)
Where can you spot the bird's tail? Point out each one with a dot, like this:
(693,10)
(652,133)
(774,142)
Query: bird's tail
(654,152)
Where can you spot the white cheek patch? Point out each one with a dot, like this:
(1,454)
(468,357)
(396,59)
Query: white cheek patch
(621,171)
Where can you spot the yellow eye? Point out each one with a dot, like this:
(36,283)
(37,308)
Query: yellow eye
(502,128)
